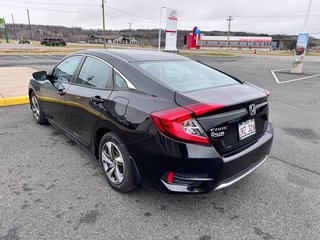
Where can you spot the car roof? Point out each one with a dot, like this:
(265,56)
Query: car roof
(135,55)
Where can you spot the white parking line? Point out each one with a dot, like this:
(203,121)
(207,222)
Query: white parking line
(277,70)
(27,56)
(298,79)
(291,80)
(275,77)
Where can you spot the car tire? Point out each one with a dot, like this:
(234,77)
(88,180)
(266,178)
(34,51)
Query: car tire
(116,164)
(38,114)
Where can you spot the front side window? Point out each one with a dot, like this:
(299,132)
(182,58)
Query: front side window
(94,73)
(185,76)
(65,70)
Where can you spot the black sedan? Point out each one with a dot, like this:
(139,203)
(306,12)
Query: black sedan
(156,119)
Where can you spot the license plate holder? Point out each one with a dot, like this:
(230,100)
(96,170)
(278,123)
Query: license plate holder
(246,129)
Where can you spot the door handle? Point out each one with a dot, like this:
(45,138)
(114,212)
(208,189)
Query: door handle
(60,92)
(97,99)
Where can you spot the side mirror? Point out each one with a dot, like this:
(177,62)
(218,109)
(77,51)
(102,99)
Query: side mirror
(40,76)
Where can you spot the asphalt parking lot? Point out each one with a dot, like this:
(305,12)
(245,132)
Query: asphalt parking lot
(50,188)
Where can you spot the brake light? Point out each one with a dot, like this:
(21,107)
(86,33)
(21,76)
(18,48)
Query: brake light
(170,177)
(180,123)
(201,109)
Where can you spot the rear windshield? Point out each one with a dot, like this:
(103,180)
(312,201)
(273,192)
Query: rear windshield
(185,76)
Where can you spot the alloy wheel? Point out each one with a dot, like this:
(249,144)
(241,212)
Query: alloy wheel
(35,108)
(113,163)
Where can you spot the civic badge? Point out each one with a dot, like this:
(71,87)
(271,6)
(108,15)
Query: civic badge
(218,131)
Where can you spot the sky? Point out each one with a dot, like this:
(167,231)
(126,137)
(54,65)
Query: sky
(269,16)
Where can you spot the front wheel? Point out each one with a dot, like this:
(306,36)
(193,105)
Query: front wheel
(36,110)
(116,163)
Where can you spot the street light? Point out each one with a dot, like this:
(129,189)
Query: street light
(307,16)
(40,37)
(14,28)
(159,43)
(29,25)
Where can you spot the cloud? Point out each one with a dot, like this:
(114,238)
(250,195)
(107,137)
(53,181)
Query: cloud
(273,16)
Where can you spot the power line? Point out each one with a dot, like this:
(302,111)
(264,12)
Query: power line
(271,16)
(277,16)
(89,13)
(58,4)
(82,5)
(262,16)
(122,11)
(135,15)
(49,10)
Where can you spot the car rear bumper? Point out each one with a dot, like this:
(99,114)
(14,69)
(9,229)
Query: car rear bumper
(228,182)
(195,168)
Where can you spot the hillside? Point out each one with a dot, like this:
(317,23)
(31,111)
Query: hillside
(145,36)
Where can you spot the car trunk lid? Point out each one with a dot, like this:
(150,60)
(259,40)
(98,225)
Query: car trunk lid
(222,125)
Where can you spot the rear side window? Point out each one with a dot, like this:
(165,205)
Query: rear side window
(64,71)
(94,73)
(185,76)
(119,81)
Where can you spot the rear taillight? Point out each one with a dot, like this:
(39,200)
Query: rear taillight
(180,123)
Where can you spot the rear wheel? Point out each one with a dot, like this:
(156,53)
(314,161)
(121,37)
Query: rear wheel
(36,110)
(116,163)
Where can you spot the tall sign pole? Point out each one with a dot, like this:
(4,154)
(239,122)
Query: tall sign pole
(171,30)
(29,25)
(159,40)
(197,32)
(104,26)
(301,47)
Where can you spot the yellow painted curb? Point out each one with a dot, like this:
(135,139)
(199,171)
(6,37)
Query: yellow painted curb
(13,101)
(2,102)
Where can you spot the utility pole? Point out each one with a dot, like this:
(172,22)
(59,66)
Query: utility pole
(104,25)
(40,37)
(229,19)
(130,30)
(29,25)
(14,28)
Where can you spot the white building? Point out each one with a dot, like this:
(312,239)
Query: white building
(114,39)
(235,42)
